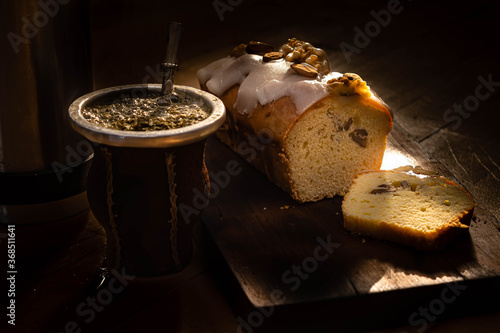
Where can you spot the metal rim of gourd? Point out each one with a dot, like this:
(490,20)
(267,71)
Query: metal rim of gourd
(147,139)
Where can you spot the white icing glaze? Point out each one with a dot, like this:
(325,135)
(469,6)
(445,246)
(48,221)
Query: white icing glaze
(263,82)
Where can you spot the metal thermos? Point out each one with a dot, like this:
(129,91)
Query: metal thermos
(45,65)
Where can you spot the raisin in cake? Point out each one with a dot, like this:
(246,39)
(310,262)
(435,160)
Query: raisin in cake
(310,130)
(426,212)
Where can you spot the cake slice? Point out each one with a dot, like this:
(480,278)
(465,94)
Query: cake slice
(426,212)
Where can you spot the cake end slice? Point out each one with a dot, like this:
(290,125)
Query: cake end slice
(422,211)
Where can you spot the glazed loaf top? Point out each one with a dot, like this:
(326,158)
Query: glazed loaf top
(263,82)
(296,78)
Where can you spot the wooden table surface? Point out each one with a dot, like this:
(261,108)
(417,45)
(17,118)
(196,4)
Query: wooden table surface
(425,60)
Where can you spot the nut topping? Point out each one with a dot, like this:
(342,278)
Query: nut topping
(298,51)
(259,48)
(349,84)
(345,79)
(360,137)
(305,70)
(352,76)
(270,56)
(238,51)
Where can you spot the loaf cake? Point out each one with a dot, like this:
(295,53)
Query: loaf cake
(426,212)
(309,129)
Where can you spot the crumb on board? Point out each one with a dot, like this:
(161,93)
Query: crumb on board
(285,207)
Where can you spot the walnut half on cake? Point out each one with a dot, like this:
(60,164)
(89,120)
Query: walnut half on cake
(315,129)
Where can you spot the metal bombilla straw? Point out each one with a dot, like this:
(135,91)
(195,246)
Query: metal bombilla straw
(170,65)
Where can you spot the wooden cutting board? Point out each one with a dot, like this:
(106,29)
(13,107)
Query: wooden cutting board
(295,264)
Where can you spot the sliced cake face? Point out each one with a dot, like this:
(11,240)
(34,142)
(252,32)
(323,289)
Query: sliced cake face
(331,143)
(416,210)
